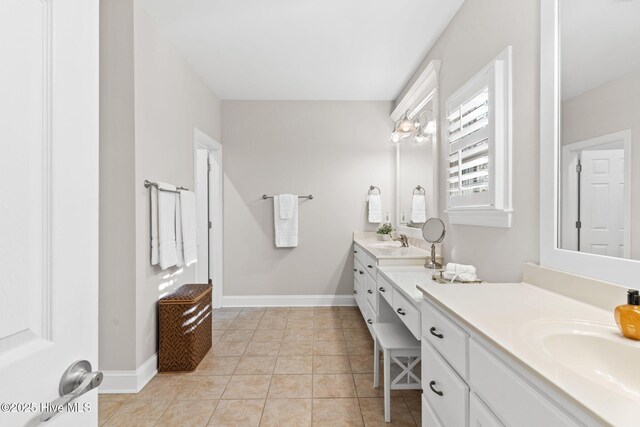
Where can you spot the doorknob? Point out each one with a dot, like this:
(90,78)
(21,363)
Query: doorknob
(76,381)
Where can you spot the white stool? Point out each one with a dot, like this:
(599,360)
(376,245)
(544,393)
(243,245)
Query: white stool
(395,340)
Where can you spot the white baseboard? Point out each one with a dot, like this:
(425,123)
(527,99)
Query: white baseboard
(129,381)
(287,300)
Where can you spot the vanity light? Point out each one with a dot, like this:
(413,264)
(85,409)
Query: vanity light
(430,128)
(395,138)
(405,126)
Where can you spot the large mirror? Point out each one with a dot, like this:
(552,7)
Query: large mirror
(599,133)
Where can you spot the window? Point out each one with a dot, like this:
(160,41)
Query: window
(478,135)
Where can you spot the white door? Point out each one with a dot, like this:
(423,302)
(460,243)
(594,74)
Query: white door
(202,215)
(602,203)
(49,208)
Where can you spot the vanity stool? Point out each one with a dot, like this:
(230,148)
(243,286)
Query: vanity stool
(395,341)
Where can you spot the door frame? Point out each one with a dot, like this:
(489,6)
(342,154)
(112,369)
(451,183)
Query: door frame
(569,180)
(202,141)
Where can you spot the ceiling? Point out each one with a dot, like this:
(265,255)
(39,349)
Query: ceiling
(600,41)
(303,49)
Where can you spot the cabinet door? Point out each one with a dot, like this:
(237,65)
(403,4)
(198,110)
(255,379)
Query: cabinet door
(480,415)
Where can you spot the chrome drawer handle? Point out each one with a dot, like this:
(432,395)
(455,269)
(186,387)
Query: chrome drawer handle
(369,291)
(431,384)
(370,266)
(400,311)
(381,289)
(433,332)
(369,321)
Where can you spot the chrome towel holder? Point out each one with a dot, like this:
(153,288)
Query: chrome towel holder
(148,184)
(310,197)
(420,189)
(373,188)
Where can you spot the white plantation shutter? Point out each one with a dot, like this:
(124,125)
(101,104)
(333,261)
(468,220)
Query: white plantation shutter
(478,137)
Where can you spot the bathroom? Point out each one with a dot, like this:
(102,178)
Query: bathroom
(492,138)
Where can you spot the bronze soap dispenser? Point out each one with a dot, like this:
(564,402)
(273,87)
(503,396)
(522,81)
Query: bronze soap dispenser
(628,315)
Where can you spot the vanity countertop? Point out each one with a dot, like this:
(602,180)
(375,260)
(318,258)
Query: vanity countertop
(407,280)
(390,249)
(519,318)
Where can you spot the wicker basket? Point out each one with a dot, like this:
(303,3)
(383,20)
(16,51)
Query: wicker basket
(184,319)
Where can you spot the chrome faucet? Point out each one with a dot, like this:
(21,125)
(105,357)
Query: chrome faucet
(402,238)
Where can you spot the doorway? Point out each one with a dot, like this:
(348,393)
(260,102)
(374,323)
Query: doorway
(209,209)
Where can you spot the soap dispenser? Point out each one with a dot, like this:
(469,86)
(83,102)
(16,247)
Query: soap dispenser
(628,315)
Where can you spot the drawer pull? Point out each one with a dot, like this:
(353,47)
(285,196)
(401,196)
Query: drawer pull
(370,266)
(401,311)
(355,252)
(355,269)
(381,289)
(361,272)
(355,292)
(433,332)
(431,384)
(369,291)
(369,321)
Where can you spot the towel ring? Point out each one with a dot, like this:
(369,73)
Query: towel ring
(372,188)
(420,190)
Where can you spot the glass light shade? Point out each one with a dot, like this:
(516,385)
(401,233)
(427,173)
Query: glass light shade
(405,125)
(420,138)
(395,138)
(431,127)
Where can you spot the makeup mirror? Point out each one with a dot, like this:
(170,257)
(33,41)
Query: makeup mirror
(433,231)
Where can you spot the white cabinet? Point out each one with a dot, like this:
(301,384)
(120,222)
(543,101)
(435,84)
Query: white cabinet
(364,285)
(408,313)
(467,382)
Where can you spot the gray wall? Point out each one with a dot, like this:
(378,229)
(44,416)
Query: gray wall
(334,150)
(151,100)
(479,31)
(606,109)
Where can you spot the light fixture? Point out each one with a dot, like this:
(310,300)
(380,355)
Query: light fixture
(395,138)
(405,126)
(418,130)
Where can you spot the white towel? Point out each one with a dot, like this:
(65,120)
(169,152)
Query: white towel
(188,226)
(153,203)
(167,253)
(375,208)
(462,272)
(418,209)
(286,230)
(286,203)
(179,243)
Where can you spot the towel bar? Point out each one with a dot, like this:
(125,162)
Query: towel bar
(372,188)
(310,197)
(420,189)
(148,184)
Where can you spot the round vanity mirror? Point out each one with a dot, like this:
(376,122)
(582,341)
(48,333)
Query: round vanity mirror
(433,232)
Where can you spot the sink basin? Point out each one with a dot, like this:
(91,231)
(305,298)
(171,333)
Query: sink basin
(594,351)
(383,245)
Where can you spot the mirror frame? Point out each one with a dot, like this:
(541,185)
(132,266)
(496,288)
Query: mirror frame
(425,88)
(616,270)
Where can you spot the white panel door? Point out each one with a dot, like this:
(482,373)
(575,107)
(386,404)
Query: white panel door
(602,202)
(202,215)
(49,209)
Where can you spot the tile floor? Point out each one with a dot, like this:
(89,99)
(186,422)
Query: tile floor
(271,367)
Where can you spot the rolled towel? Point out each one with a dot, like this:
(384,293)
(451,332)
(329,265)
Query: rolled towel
(460,268)
(463,277)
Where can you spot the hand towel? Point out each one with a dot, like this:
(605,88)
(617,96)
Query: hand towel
(167,253)
(153,203)
(462,272)
(179,243)
(188,225)
(286,230)
(375,208)
(418,209)
(286,203)
(460,268)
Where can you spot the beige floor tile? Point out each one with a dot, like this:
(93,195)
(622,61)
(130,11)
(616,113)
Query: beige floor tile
(216,334)
(162,386)
(296,348)
(240,323)
(286,413)
(336,412)
(357,348)
(358,334)
(362,364)
(106,409)
(331,365)
(225,315)
(250,315)
(333,385)
(268,335)
(220,323)
(229,349)
(273,323)
(138,413)
(217,365)
(300,316)
(114,397)
(364,386)
(300,323)
(263,348)
(354,323)
(373,412)
(329,348)
(236,413)
(255,365)
(276,313)
(294,365)
(251,309)
(201,387)
(237,335)
(414,402)
(324,323)
(247,387)
(328,335)
(291,335)
(290,387)
(187,413)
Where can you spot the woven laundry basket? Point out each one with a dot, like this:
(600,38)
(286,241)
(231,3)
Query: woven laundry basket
(184,321)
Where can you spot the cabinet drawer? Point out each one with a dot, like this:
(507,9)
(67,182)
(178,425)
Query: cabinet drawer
(372,294)
(445,392)
(447,337)
(429,418)
(359,254)
(370,266)
(480,415)
(370,317)
(511,398)
(385,289)
(407,312)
